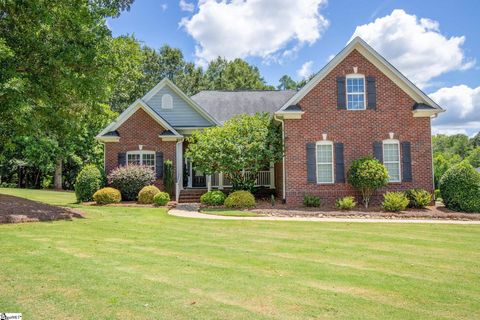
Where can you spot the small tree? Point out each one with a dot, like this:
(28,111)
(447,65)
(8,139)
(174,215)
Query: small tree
(367,175)
(243,143)
(88,181)
(168,176)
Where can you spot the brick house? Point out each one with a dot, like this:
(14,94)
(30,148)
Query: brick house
(357,105)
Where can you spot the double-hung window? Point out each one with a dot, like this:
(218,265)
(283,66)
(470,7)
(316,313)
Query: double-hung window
(324,160)
(144,158)
(391,159)
(355,92)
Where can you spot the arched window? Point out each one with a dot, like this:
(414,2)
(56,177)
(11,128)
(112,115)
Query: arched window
(391,159)
(324,161)
(355,91)
(167,101)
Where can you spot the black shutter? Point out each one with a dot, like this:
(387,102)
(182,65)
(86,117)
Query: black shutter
(339,163)
(122,159)
(341,97)
(406,162)
(159,164)
(378,151)
(371,93)
(311,165)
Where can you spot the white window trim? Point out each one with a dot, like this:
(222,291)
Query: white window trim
(141,153)
(167,97)
(397,142)
(356,76)
(324,142)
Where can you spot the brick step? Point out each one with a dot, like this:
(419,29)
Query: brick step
(191,195)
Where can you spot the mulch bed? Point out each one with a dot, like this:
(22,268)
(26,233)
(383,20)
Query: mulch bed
(15,210)
(437,211)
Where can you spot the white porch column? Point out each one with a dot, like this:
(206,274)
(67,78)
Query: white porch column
(209,182)
(272,175)
(220,181)
(190,173)
(179,164)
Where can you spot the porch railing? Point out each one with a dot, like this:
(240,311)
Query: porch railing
(264,179)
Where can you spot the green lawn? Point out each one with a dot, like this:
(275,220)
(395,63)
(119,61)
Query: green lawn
(226,212)
(140,263)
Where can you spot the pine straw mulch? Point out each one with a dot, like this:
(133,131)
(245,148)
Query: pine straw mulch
(14,210)
(437,211)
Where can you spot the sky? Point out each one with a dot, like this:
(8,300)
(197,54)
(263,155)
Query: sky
(436,44)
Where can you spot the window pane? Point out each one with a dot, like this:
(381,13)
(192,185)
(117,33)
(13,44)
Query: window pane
(324,173)
(133,158)
(393,171)
(324,153)
(391,152)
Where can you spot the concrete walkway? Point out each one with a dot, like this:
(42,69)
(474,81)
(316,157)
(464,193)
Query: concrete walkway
(190,210)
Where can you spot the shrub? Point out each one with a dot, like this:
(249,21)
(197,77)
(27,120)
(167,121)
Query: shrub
(8,185)
(145,196)
(213,198)
(394,201)
(161,198)
(240,199)
(311,201)
(367,175)
(437,194)
(460,188)
(168,176)
(345,203)
(418,198)
(130,180)
(88,180)
(107,195)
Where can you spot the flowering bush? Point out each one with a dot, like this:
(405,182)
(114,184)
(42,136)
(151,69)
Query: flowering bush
(130,180)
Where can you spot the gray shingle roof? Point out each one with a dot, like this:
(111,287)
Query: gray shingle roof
(223,105)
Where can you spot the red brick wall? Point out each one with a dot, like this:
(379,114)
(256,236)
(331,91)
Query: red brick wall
(357,130)
(142,129)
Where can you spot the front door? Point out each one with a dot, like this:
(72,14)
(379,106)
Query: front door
(198,179)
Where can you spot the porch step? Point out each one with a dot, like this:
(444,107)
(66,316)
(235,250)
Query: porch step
(191,195)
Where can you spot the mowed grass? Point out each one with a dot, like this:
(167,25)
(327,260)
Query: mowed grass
(140,263)
(227,212)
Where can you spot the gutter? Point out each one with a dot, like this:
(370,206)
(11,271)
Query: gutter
(282,121)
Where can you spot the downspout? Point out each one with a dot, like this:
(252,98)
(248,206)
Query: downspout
(282,121)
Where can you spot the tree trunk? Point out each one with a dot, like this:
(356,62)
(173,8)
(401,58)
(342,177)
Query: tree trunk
(58,175)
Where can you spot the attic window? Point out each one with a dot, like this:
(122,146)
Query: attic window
(355,92)
(167,101)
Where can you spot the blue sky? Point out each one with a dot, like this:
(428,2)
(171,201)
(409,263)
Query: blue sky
(435,43)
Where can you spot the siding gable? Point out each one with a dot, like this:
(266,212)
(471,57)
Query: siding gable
(181,115)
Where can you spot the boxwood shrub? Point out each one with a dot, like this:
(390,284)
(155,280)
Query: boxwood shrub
(240,199)
(213,198)
(130,180)
(460,188)
(88,180)
(107,195)
(161,198)
(145,196)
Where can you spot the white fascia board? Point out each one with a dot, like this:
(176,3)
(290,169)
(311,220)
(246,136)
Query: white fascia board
(286,115)
(107,139)
(375,58)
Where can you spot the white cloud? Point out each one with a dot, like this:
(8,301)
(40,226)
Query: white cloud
(186,6)
(305,70)
(254,28)
(463,110)
(164,6)
(415,46)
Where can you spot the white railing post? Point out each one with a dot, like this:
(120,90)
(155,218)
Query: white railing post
(209,183)
(220,181)
(177,191)
(272,176)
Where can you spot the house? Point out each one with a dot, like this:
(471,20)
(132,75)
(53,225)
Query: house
(357,105)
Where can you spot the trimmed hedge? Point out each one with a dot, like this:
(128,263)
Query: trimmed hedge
(394,201)
(240,199)
(107,195)
(161,198)
(213,198)
(130,180)
(88,180)
(418,198)
(145,196)
(460,188)
(345,203)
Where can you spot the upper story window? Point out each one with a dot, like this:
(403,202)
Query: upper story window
(324,160)
(167,101)
(140,157)
(355,92)
(391,159)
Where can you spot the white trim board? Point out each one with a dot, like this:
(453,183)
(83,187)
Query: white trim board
(380,62)
(193,104)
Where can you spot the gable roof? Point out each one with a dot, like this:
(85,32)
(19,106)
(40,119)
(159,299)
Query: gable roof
(187,99)
(138,104)
(380,62)
(223,105)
